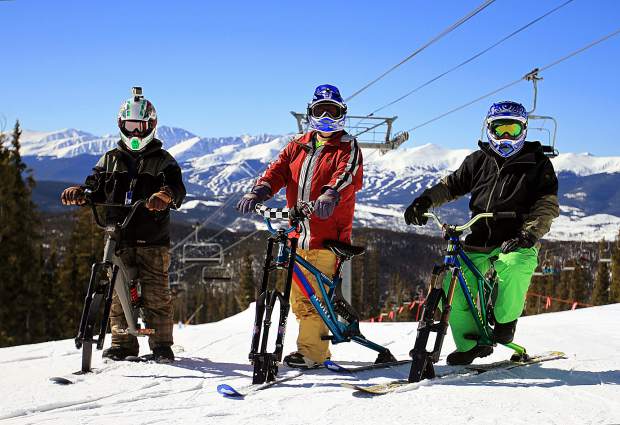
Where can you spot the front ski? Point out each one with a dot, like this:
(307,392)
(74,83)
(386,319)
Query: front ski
(338,368)
(231,392)
(147,358)
(460,373)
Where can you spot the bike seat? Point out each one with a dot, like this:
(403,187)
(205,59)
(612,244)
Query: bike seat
(342,249)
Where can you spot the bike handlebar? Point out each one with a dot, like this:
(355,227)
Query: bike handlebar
(301,211)
(125,222)
(474,219)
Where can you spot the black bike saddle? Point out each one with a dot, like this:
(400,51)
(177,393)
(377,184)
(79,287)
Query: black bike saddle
(342,249)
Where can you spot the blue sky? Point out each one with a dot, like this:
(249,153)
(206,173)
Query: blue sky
(227,68)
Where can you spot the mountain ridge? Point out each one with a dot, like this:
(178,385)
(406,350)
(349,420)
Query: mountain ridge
(216,168)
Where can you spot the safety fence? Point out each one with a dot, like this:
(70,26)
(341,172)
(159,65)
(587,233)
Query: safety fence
(417,306)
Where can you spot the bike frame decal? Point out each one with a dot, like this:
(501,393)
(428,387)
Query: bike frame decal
(300,280)
(481,281)
(454,259)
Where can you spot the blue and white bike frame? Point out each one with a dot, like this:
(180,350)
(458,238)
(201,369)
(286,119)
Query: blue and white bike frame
(286,258)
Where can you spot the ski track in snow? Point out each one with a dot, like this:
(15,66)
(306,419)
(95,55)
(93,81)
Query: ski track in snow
(582,389)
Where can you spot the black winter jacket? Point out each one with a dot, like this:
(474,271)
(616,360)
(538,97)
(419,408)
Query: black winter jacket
(150,171)
(525,183)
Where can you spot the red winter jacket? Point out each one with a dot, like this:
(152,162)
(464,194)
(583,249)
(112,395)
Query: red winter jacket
(307,172)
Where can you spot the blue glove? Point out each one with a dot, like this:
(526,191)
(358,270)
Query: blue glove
(325,204)
(248,202)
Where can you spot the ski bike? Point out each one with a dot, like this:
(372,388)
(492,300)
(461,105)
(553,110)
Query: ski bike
(330,306)
(107,276)
(438,301)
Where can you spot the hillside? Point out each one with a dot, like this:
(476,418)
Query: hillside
(582,389)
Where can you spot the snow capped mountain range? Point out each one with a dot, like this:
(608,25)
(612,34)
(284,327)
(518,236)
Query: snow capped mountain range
(217,168)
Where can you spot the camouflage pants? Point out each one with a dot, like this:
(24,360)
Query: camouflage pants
(151,264)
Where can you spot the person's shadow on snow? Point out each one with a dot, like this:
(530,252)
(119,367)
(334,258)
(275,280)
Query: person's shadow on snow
(205,367)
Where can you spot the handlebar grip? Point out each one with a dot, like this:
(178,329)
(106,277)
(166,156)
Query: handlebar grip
(272,213)
(504,215)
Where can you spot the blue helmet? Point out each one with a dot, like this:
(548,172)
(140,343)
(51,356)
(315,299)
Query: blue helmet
(506,126)
(327,111)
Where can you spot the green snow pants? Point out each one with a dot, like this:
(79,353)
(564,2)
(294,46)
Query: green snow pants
(514,271)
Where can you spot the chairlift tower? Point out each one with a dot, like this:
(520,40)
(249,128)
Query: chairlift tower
(371,132)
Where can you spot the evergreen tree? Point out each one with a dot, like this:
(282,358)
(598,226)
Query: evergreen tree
(52,295)
(535,304)
(247,283)
(578,285)
(562,289)
(84,247)
(600,293)
(614,289)
(22,319)
(6,228)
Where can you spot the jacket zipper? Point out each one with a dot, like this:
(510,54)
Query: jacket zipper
(486,220)
(303,189)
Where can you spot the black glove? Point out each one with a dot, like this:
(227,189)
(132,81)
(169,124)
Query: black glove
(415,212)
(524,240)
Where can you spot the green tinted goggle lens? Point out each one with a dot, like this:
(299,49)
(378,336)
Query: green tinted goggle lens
(514,129)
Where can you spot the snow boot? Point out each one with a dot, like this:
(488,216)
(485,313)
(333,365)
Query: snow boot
(466,357)
(299,361)
(162,355)
(504,332)
(118,353)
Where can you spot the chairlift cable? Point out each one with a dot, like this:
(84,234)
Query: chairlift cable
(543,68)
(472,58)
(445,32)
(203,224)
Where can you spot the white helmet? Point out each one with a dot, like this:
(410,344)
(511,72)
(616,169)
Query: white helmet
(137,121)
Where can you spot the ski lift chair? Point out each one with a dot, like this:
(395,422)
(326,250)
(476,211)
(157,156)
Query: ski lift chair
(214,275)
(202,252)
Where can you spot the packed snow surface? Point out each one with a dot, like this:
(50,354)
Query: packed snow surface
(582,389)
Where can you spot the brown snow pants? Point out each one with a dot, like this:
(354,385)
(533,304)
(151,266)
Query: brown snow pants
(152,264)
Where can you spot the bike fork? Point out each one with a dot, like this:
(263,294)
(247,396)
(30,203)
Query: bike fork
(423,360)
(92,286)
(106,309)
(266,363)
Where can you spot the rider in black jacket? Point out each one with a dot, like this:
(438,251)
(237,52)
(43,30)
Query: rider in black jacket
(507,174)
(138,168)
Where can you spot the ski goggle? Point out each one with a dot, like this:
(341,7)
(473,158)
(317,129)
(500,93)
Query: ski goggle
(506,128)
(327,109)
(135,126)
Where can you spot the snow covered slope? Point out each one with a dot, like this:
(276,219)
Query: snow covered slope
(583,389)
(218,168)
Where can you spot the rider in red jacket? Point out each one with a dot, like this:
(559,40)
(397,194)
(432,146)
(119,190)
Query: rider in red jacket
(324,167)
(309,167)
